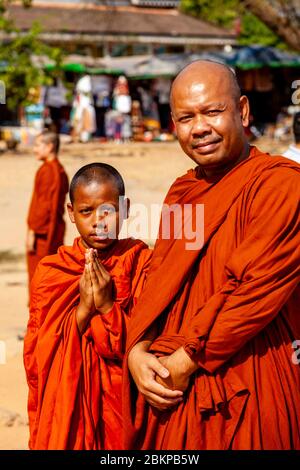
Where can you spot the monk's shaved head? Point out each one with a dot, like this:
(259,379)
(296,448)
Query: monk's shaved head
(210,116)
(99,173)
(49,137)
(219,75)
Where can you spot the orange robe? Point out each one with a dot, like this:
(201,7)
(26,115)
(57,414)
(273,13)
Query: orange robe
(234,305)
(75,381)
(46,212)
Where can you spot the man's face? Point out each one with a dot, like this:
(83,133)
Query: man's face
(209,120)
(95,211)
(41,149)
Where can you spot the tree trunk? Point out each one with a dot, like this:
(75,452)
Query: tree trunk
(282,17)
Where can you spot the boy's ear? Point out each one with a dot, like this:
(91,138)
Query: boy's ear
(71,212)
(126,207)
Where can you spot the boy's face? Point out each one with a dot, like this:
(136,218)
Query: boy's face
(96,213)
(41,149)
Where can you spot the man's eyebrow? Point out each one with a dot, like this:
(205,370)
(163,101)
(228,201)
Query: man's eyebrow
(215,104)
(84,205)
(186,109)
(219,103)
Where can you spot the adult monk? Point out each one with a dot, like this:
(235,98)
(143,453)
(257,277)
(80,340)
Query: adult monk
(81,299)
(46,226)
(210,344)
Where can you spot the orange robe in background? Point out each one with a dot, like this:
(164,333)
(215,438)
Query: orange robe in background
(46,212)
(234,305)
(75,381)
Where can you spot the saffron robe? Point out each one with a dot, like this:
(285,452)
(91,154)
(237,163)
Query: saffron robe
(234,305)
(75,381)
(45,216)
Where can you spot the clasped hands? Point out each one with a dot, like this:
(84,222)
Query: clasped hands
(96,290)
(162,381)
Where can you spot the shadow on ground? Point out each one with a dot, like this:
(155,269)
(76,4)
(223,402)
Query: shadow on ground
(9,256)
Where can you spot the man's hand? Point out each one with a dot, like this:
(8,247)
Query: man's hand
(30,241)
(180,366)
(144,367)
(102,284)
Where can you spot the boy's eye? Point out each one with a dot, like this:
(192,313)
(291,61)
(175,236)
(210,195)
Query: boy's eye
(105,213)
(85,211)
(105,210)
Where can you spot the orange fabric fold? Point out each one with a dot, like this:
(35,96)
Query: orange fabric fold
(45,216)
(233,305)
(75,381)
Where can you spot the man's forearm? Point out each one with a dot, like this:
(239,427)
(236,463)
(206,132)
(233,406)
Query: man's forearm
(186,364)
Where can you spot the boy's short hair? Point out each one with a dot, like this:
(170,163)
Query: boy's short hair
(100,172)
(296,127)
(50,137)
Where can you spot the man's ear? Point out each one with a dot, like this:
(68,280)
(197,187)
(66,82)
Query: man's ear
(71,212)
(244,110)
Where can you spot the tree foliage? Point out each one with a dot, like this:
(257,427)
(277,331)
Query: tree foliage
(233,14)
(220,12)
(254,31)
(281,16)
(17,70)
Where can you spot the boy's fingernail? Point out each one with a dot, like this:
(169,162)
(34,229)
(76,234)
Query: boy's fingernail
(165,372)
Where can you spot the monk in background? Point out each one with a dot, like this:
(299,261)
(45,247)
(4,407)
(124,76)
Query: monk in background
(46,226)
(210,353)
(81,300)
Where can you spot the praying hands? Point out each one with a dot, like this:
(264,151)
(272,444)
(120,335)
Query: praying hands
(95,287)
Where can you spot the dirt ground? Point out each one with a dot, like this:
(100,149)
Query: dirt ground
(148,170)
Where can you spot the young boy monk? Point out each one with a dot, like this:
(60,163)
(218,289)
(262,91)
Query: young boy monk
(80,304)
(46,226)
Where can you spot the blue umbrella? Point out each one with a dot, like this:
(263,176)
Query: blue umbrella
(253,57)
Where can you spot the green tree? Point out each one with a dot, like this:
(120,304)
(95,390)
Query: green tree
(230,13)
(220,12)
(254,31)
(281,16)
(17,69)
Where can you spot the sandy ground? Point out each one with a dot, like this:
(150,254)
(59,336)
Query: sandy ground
(148,170)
